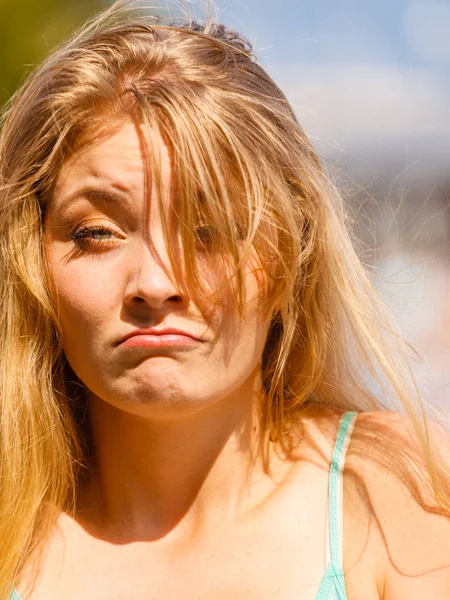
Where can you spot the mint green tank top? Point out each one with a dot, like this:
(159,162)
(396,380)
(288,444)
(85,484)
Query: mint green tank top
(332,586)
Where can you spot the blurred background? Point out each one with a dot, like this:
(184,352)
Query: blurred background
(370,82)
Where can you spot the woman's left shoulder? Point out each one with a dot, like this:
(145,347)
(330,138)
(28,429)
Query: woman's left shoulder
(392,502)
(401,424)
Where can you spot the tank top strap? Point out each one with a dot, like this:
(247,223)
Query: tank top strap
(335,538)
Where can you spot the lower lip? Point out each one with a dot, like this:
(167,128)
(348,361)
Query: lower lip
(170,340)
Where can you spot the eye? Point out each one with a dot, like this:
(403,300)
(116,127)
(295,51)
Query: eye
(95,236)
(206,234)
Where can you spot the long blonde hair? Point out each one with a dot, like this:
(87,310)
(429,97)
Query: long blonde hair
(241,160)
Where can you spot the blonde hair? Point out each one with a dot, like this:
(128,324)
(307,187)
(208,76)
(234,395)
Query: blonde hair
(241,160)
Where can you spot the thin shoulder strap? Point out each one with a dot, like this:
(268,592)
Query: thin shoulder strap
(335,541)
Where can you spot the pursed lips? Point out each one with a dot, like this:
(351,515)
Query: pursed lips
(153,337)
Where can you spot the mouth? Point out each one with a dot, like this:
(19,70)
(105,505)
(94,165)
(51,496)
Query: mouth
(158,338)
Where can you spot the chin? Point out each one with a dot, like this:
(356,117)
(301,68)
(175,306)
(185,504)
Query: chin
(155,399)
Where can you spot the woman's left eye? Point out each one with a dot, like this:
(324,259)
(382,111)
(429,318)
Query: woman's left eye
(205,233)
(208,235)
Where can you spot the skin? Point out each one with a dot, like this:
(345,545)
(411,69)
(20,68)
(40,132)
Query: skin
(178,503)
(156,399)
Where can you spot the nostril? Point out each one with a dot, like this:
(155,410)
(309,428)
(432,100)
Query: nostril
(176,298)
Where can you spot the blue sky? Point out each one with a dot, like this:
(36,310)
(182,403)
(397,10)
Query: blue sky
(355,30)
(319,30)
(358,72)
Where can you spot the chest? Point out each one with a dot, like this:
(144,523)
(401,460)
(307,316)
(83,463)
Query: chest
(209,575)
(277,554)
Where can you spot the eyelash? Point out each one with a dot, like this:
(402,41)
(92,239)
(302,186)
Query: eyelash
(81,239)
(206,234)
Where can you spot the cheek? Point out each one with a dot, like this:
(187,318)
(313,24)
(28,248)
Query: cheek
(244,335)
(219,279)
(256,288)
(84,294)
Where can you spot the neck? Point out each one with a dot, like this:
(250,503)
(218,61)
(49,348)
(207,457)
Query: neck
(150,477)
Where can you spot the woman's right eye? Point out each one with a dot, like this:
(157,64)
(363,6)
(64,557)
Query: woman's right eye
(95,237)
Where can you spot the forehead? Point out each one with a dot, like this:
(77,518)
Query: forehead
(120,159)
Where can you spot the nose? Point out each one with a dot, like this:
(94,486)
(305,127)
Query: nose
(151,283)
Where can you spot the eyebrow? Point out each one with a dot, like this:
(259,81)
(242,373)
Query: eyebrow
(91,193)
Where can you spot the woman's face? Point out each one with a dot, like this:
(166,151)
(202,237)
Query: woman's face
(111,275)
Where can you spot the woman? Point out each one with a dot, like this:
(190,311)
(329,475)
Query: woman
(190,343)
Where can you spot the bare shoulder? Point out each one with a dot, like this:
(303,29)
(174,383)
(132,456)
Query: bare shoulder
(394,523)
